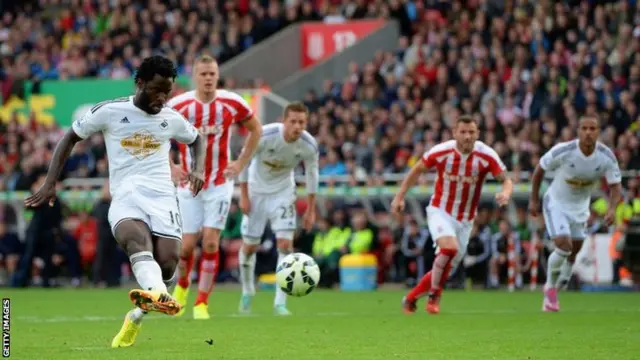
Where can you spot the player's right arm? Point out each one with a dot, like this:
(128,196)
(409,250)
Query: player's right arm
(550,161)
(397,205)
(186,133)
(245,203)
(243,179)
(93,121)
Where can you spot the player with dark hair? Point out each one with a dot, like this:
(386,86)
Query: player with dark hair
(462,165)
(144,213)
(578,166)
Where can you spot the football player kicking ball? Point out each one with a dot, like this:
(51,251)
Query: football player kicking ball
(213,112)
(144,214)
(462,165)
(267,193)
(578,166)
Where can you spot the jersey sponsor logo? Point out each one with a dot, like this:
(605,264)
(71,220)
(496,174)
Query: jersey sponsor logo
(164,124)
(461,178)
(211,129)
(275,165)
(124,120)
(141,144)
(575,183)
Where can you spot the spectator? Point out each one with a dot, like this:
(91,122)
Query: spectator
(85,234)
(10,251)
(109,257)
(43,233)
(418,255)
(361,239)
(331,246)
(500,243)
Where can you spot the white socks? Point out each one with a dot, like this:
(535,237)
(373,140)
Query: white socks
(247,276)
(281,297)
(149,276)
(555,262)
(136,315)
(247,272)
(147,271)
(565,273)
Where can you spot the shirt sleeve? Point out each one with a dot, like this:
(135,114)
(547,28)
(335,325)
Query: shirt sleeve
(311,172)
(496,166)
(184,132)
(93,121)
(612,174)
(242,108)
(551,160)
(243,177)
(429,158)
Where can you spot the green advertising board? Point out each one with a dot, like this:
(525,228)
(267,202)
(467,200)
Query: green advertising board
(64,101)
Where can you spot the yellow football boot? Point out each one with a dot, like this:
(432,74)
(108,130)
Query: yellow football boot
(181,294)
(127,335)
(201,312)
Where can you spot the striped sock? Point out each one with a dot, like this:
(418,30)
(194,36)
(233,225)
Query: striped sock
(208,269)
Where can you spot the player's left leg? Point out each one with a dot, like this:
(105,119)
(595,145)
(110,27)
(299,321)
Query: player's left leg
(210,259)
(252,228)
(444,230)
(567,267)
(282,217)
(216,205)
(285,247)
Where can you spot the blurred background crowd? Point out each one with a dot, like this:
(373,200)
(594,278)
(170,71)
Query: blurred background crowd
(526,70)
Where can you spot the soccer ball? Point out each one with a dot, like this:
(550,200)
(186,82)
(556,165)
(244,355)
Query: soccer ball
(297,275)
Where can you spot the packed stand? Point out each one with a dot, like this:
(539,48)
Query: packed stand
(526,73)
(69,39)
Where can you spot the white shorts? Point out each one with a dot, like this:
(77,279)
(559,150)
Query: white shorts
(209,209)
(442,224)
(558,223)
(279,209)
(160,212)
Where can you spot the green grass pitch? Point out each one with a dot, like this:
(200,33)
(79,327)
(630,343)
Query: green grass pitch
(79,324)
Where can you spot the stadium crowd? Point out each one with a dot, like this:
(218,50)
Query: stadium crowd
(526,71)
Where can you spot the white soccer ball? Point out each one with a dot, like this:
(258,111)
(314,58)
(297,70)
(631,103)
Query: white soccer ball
(298,274)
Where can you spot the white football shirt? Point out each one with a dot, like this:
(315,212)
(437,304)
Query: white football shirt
(576,175)
(272,167)
(137,143)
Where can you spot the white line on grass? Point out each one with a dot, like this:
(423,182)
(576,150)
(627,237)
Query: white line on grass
(97,318)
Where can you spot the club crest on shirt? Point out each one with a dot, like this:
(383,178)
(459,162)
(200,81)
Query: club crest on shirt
(141,144)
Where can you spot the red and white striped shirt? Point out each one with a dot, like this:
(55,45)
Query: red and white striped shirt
(460,177)
(213,120)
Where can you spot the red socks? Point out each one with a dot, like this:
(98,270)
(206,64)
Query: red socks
(208,270)
(186,264)
(437,277)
